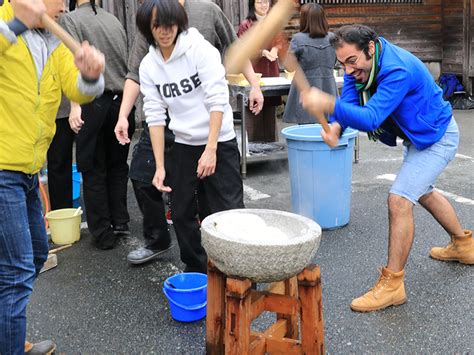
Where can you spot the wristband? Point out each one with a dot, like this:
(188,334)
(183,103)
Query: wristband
(17,27)
(89,80)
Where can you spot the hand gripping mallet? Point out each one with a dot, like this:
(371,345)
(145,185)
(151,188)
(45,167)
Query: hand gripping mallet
(250,44)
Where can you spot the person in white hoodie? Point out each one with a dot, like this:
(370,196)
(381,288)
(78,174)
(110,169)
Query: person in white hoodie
(183,73)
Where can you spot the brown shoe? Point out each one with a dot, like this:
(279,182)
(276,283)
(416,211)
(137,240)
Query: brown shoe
(46,347)
(460,249)
(388,291)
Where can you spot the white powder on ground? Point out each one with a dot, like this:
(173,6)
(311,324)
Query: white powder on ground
(246,227)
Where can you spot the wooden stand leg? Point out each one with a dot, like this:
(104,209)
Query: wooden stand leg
(238,316)
(310,294)
(215,314)
(232,305)
(291,289)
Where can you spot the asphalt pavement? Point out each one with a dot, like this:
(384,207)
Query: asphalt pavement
(96,303)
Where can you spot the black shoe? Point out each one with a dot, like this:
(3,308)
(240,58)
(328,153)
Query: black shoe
(106,241)
(195,269)
(121,229)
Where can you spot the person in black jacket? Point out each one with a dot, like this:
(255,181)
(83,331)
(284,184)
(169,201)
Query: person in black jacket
(100,158)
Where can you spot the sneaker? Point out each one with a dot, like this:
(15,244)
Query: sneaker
(46,347)
(121,229)
(168,217)
(143,255)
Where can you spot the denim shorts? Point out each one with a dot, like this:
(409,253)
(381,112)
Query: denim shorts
(421,168)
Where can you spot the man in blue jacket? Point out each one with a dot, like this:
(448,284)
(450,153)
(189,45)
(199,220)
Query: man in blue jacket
(389,93)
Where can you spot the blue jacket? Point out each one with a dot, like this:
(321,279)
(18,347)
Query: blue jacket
(406,92)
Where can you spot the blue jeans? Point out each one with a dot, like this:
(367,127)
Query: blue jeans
(23,251)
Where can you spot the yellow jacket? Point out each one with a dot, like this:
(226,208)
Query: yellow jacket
(27,108)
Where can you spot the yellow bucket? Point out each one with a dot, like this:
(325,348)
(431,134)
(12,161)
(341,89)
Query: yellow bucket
(64,226)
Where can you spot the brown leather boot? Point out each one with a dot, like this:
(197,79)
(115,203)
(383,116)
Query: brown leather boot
(388,291)
(460,249)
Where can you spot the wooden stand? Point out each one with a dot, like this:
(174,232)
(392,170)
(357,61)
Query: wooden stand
(232,306)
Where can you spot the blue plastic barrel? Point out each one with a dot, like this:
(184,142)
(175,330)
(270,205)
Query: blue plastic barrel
(187,296)
(76,183)
(320,176)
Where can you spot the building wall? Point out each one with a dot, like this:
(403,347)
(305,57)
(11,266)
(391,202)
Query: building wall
(436,31)
(415,27)
(452,38)
(458,40)
(432,30)
(471,64)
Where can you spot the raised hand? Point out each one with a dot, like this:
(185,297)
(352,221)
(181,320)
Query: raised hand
(28,11)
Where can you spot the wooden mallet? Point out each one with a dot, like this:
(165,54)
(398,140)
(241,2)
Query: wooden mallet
(59,32)
(251,43)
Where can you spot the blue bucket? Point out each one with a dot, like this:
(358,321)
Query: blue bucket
(76,183)
(320,176)
(187,296)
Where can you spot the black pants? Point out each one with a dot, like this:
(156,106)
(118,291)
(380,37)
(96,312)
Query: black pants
(60,166)
(105,177)
(152,207)
(219,192)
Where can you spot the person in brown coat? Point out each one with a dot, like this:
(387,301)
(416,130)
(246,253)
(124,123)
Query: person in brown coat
(262,127)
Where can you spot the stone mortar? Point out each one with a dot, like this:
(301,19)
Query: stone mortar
(263,262)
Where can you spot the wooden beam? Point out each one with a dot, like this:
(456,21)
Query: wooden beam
(277,287)
(310,294)
(277,329)
(281,304)
(215,313)
(238,316)
(291,290)
(284,346)
(258,303)
(257,345)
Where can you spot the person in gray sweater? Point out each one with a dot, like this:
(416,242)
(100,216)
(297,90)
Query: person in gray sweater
(211,22)
(100,158)
(316,57)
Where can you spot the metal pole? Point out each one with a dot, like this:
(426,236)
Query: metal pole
(244,141)
(356,150)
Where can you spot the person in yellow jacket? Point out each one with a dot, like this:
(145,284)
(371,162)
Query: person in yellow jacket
(35,68)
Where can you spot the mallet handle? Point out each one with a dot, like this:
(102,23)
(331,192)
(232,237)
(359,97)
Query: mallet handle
(249,46)
(59,32)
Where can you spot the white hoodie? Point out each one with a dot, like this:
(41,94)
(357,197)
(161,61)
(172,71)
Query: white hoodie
(190,84)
